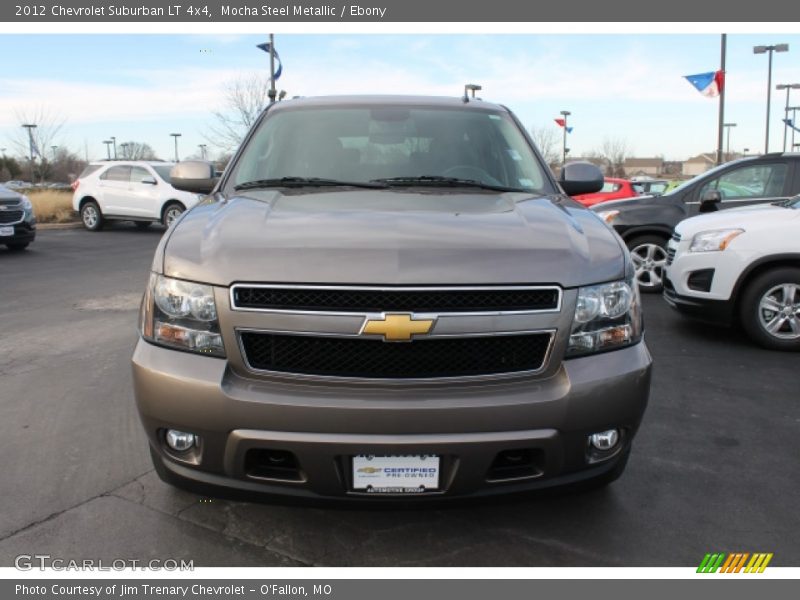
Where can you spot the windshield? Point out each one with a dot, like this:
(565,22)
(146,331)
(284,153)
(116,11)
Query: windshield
(363,144)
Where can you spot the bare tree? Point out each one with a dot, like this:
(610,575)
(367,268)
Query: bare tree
(36,141)
(245,98)
(548,141)
(614,151)
(136,151)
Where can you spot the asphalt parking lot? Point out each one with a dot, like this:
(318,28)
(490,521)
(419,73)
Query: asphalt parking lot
(714,467)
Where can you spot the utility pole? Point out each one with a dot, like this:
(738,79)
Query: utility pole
(176,136)
(721,122)
(30,127)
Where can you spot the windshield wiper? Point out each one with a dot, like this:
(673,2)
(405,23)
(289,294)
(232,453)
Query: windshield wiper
(305,182)
(445,181)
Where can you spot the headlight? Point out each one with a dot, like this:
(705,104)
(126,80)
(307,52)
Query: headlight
(181,314)
(607,316)
(715,240)
(27,207)
(608,215)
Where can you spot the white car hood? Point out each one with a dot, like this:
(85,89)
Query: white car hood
(749,218)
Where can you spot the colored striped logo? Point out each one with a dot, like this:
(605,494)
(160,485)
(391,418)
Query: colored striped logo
(735,562)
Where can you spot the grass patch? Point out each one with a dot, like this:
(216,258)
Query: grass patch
(52,206)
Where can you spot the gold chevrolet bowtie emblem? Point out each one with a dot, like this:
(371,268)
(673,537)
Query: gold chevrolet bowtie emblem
(397,328)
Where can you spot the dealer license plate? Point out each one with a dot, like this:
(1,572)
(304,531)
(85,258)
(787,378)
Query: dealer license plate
(413,474)
(5,231)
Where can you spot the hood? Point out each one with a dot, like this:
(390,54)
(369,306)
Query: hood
(635,201)
(7,194)
(392,237)
(749,218)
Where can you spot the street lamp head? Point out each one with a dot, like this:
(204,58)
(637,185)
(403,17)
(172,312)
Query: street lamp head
(759,49)
(781,47)
(729,124)
(788,86)
(176,134)
(566,113)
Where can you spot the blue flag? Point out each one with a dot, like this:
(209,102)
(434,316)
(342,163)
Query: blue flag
(265,48)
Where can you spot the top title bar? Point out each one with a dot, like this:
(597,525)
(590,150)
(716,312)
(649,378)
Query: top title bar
(389,11)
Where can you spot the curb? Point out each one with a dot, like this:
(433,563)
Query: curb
(74,225)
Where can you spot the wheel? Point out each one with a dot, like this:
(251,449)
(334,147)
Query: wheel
(770,309)
(91,216)
(649,256)
(172,211)
(142,225)
(17,246)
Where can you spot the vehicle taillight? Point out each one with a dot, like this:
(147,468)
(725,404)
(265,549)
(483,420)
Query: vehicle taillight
(74,185)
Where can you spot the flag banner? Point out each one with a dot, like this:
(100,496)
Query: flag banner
(561,122)
(791,124)
(709,84)
(569,129)
(265,48)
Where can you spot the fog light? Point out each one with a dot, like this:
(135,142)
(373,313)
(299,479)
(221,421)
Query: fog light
(605,440)
(180,441)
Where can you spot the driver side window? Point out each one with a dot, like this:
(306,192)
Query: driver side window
(749,182)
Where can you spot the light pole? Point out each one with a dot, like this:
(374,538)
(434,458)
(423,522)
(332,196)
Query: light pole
(54,148)
(728,126)
(202,150)
(769,50)
(273,76)
(794,110)
(565,114)
(108,148)
(124,147)
(30,127)
(745,151)
(788,87)
(114,141)
(176,136)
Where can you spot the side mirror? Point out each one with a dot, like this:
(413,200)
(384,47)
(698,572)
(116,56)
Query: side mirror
(149,181)
(580,178)
(710,200)
(195,176)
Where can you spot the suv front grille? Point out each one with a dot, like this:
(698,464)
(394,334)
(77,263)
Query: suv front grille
(10,216)
(387,300)
(420,359)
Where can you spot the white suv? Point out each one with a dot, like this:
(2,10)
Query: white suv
(740,265)
(138,191)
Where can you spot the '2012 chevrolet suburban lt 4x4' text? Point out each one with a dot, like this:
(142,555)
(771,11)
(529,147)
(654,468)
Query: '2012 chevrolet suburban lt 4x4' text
(389,297)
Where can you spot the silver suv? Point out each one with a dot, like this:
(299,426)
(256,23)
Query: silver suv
(389,297)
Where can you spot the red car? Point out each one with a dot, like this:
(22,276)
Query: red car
(613,189)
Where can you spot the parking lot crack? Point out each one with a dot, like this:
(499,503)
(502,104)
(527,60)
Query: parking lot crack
(58,513)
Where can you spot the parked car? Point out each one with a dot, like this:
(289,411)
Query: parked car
(18,184)
(613,189)
(389,297)
(17,219)
(645,223)
(138,191)
(647,185)
(740,266)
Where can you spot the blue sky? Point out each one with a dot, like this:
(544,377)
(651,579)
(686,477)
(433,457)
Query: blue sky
(630,87)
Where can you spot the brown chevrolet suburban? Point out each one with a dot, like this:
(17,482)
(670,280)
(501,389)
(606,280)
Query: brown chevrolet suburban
(389,298)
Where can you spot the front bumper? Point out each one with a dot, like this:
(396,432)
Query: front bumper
(323,424)
(24,232)
(714,312)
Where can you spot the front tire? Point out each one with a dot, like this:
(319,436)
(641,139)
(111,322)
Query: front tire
(649,256)
(770,309)
(17,246)
(172,211)
(91,216)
